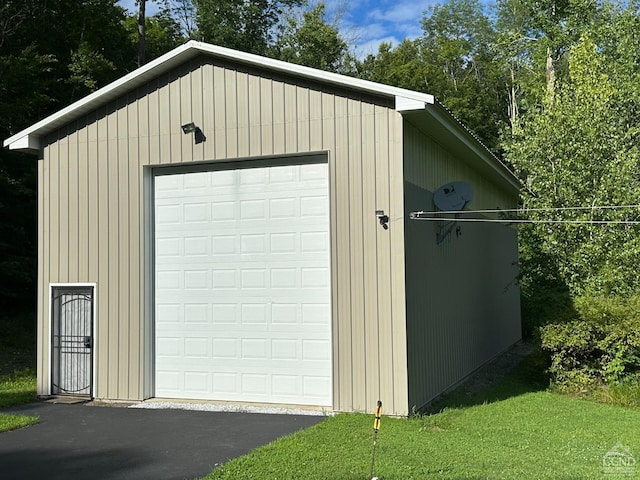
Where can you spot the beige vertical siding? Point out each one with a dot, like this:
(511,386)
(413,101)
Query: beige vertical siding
(92,213)
(462,297)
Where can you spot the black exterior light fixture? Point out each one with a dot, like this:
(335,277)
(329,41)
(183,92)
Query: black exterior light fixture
(383,219)
(197,133)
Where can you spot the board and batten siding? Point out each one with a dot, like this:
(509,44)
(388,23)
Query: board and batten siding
(463,301)
(93,213)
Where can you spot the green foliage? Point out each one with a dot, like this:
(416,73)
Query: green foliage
(312,41)
(607,310)
(89,68)
(543,305)
(453,60)
(535,435)
(598,352)
(15,389)
(247,26)
(574,152)
(625,394)
(162,33)
(51,53)
(402,66)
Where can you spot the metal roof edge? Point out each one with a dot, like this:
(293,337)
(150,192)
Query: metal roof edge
(29,138)
(312,73)
(31,134)
(446,118)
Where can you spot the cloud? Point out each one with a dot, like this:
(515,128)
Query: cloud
(372,22)
(398,13)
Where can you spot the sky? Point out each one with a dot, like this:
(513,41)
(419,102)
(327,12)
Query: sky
(363,23)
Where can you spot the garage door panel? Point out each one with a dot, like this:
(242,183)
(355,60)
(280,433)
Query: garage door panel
(191,309)
(243,285)
(229,367)
(234,386)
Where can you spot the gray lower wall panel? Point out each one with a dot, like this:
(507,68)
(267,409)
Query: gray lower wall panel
(463,301)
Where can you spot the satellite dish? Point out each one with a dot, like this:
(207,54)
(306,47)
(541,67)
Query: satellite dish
(453,196)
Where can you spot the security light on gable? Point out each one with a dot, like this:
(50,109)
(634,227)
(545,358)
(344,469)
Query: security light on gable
(189,127)
(192,128)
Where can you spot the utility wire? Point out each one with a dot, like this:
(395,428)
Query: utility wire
(543,209)
(434,216)
(522,220)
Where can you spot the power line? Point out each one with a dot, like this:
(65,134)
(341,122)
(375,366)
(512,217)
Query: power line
(522,210)
(522,220)
(435,216)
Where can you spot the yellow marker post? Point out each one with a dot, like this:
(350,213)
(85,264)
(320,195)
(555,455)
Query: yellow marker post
(376,422)
(376,427)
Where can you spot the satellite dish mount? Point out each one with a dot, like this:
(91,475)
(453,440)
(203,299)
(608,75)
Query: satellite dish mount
(451,198)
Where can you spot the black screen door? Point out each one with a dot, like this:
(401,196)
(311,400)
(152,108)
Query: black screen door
(72,341)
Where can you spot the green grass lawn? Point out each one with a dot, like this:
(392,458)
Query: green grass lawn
(15,389)
(515,430)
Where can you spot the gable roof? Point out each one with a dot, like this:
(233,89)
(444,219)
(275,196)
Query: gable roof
(422,107)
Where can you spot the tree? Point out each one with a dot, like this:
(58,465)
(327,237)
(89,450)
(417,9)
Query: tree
(162,33)
(514,44)
(24,83)
(183,12)
(577,151)
(532,45)
(247,26)
(457,49)
(453,60)
(51,53)
(142,30)
(311,41)
(401,66)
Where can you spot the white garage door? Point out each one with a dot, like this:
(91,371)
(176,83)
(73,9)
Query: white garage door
(242,287)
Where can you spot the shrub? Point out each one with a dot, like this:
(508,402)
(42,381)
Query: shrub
(545,305)
(601,348)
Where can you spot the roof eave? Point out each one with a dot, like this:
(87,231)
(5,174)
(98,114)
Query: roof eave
(25,143)
(29,139)
(464,141)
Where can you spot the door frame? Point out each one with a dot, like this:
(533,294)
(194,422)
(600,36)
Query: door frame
(52,286)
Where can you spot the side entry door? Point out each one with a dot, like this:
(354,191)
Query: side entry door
(72,340)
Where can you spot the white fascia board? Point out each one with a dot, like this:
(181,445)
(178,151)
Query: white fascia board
(29,138)
(29,143)
(405,104)
(311,73)
(34,133)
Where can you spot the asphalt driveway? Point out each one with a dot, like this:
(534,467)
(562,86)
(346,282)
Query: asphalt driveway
(103,443)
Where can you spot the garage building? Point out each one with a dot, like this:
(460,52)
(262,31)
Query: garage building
(213,226)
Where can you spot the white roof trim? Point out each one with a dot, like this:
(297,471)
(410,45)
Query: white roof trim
(404,104)
(311,73)
(27,142)
(29,138)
